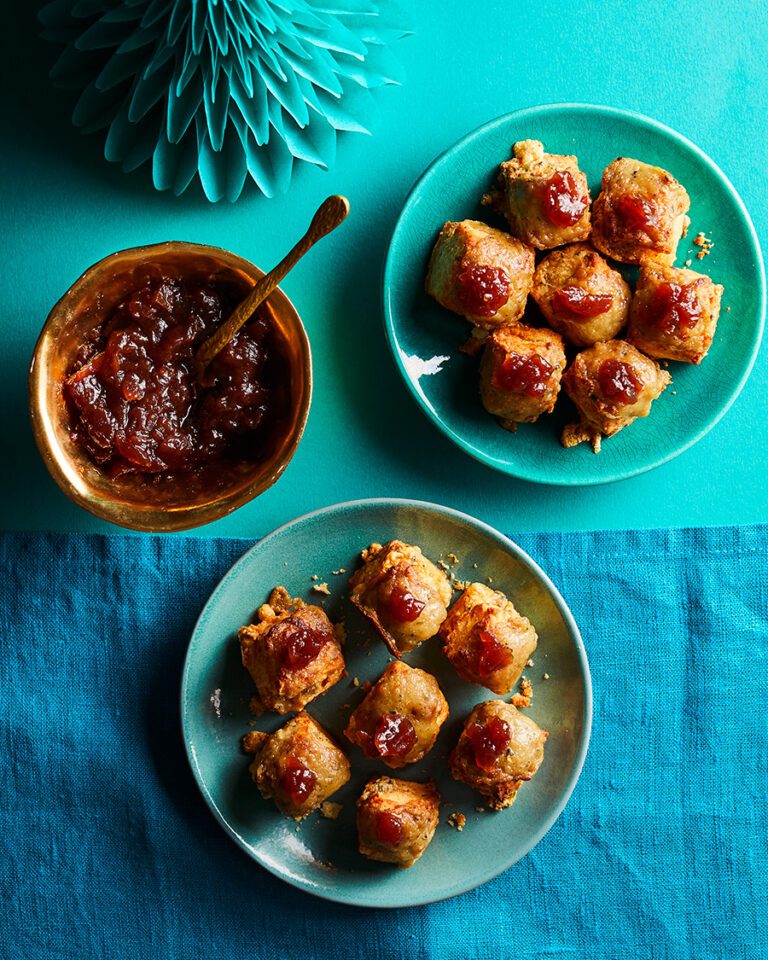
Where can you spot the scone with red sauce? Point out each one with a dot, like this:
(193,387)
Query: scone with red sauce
(544,196)
(639,212)
(674,313)
(299,766)
(396,820)
(612,384)
(400,717)
(402,593)
(481,273)
(520,372)
(292,652)
(498,750)
(486,640)
(580,296)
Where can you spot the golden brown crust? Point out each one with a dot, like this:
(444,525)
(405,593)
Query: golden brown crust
(405,692)
(301,740)
(482,614)
(684,344)
(518,763)
(472,243)
(518,195)
(615,236)
(416,807)
(601,415)
(399,566)
(578,265)
(280,687)
(525,342)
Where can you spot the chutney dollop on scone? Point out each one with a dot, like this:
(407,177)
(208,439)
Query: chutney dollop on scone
(580,295)
(498,750)
(486,640)
(520,372)
(396,820)
(480,272)
(292,652)
(400,717)
(612,384)
(639,212)
(544,196)
(402,593)
(298,766)
(674,312)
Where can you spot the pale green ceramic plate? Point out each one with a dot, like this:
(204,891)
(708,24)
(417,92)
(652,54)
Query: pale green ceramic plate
(420,331)
(320,856)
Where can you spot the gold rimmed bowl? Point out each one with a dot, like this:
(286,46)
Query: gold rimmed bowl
(159,503)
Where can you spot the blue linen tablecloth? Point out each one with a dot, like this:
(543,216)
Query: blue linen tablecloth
(109,851)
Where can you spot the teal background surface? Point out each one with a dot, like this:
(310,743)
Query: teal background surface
(698,66)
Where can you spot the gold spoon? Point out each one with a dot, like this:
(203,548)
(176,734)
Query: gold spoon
(329,215)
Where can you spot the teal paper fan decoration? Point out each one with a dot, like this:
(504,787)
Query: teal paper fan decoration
(223,89)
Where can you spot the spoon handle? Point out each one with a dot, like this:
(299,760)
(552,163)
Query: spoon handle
(329,215)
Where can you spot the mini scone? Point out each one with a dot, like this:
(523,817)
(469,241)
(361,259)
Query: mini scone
(403,594)
(480,272)
(292,653)
(396,820)
(298,766)
(486,639)
(499,748)
(674,313)
(520,373)
(580,295)
(400,717)
(640,211)
(612,384)
(544,196)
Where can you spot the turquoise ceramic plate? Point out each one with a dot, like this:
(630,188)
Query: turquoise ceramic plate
(425,338)
(319,855)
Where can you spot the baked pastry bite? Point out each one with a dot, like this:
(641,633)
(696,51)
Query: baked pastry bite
(611,384)
(403,594)
(520,373)
(499,748)
(292,652)
(396,819)
(487,641)
(640,211)
(580,295)
(674,313)
(298,766)
(480,272)
(400,717)
(544,196)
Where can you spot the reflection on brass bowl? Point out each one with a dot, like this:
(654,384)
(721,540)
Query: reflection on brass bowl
(150,502)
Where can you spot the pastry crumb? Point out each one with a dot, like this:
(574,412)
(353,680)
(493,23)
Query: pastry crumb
(479,809)
(337,573)
(524,697)
(545,677)
(529,662)
(460,585)
(330,810)
(703,241)
(314,577)
(322,588)
(688,263)
(355,682)
(457,821)
(452,558)
(443,566)
(727,309)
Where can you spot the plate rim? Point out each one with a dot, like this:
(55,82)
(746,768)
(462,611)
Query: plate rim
(506,543)
(388,269)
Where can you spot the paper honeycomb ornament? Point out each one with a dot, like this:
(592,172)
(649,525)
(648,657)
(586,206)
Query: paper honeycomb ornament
(223,89)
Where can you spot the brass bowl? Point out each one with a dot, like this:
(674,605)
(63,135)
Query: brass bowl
(138,501)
